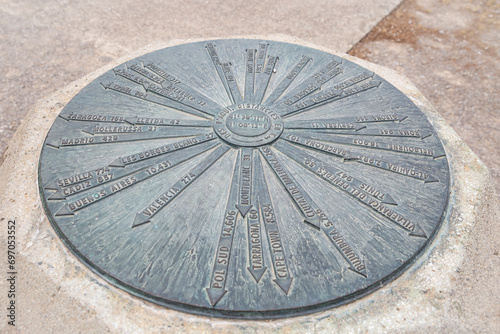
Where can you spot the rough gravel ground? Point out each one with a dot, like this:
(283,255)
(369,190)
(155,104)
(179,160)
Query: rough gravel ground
(451,51)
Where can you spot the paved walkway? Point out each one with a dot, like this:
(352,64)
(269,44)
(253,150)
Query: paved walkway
(45,45)
(451,51)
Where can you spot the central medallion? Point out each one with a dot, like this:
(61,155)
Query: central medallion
(248,125)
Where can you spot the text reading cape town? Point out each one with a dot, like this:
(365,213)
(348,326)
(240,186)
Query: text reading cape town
(244,179)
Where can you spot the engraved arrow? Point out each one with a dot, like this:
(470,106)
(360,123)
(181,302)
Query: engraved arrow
(92,118)
(114,138)
(309,140)
(166,197)
(300,197)
(386,198)
(324,125)
(326,97)
(144,72)
(144,96)
(171,90)
(245,182)
(188,98)
(146,130)
(167,122)
(231,83)
(217,288)
(132,77)
(356,263)
(264,78)
(76,178)
(283,277)
(394,168)
(409,133)
(224,69)
(250,75)
(329,95)
(283,85)
(325,173)
(153,169)
(313,83)
(255,252)
(344,122)
(131,180)
(151,153)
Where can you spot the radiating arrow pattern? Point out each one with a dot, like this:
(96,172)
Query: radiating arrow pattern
(217,288)
(328,174)
(245,181)
(168,195)
(283,277)
(295,190)
(264,89)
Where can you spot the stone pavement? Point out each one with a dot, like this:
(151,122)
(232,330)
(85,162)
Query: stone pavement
(451,51)
(45,45)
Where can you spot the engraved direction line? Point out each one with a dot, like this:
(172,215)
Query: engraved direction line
(324,125)
(371,190)
(313,83)
(77,178)
(183,96)
(212,53)
(337,151)
(260,63)
(151,153)
(294,189)
(325,97)
(166,197)
(249,75)
(173,90)
(387,132)
(155,121)
(122,89)
(264,78)
(335,92)
(245,182)
(149,75)
(231,83)
(394,168)
(254,232)
(134,178)
(147,130)
(217,288)
(114,138)
(356,263)
(153,169)
(283,85)
(140,80)
(325,172)
(282,274)
(309,140)
(355,122)
(170,78)
(93,118)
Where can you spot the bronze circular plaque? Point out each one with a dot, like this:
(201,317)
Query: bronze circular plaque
(244,179)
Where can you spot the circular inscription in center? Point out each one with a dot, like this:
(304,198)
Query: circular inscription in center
(248,125)
(248,122)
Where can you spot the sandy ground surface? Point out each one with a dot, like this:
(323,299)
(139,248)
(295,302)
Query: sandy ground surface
(450,50)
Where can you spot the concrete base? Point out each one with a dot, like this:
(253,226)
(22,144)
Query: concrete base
(451,287)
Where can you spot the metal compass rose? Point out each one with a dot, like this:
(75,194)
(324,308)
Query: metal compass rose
(244,179)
